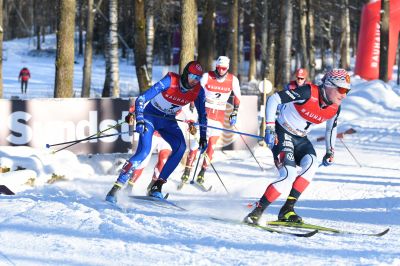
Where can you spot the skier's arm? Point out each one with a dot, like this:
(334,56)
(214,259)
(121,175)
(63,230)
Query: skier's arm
(200,104)
(331,131)
(157,88)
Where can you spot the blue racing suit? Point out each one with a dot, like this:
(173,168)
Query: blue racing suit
(164,99)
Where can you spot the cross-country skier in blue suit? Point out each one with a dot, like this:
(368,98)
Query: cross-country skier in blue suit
(155,110)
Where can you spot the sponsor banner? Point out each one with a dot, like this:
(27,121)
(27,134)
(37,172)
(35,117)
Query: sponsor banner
(39,122)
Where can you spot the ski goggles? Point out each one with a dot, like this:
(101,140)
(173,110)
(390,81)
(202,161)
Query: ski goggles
(299,78)
(342,90)
(222,68)
(193,76)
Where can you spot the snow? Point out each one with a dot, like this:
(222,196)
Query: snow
(69,223)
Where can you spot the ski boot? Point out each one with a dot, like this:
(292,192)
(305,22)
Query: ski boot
(287,214)
(254,216)
(155,190)
(200,176)
(111,195)
(185,176)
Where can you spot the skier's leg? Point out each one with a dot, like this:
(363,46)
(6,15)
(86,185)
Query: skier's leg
(306,157)
(173,135)
(193,148)
(143,149)
(284,160)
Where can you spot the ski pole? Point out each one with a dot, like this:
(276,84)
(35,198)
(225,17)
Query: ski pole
(355,159)
(262,169)
(73,142)
(202,125)
(215,170)
(205,155)
(94,137)
(195,169)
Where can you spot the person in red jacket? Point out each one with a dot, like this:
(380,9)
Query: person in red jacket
(301,80)
(24,76)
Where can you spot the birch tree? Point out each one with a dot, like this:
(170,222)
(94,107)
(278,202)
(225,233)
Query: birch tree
(150,37)
(233,36)
(64,76)
(113,47)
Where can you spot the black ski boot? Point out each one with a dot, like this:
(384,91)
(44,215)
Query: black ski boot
(200,176)
(287,213)
(155,190)
(111,195)
(186,174)
(254,216)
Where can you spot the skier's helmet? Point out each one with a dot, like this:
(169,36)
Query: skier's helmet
(193,70)
(301,73)
(338,78)
(222,65)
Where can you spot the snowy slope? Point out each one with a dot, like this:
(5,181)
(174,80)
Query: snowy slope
(69,223)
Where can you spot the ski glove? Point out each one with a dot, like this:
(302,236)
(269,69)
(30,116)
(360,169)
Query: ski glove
(270,136)
(328,158)
(192,128)
(129,118)
(203,144)
(233,117)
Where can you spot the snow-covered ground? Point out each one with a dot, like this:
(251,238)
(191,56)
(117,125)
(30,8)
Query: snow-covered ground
(69,223)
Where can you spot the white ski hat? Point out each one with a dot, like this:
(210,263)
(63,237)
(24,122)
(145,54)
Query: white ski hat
(223,61)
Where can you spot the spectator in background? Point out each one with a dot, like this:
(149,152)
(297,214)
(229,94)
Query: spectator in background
(301,79)
(24,76)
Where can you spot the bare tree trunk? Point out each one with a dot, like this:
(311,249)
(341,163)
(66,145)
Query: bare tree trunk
(311,45)
(384,43)
(150,37)
(207,36)
(233,36)
(241,43)
(140,46)
(188,32)
(345,36)
(80,25)
(303,30)
(113,39)
(87,65)
(252,59)
(37,23)
(264,39)
(64,76)
(286,42)
(1,49)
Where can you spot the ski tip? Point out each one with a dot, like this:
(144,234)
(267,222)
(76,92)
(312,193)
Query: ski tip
(309,234)
(47,146)
(384,232)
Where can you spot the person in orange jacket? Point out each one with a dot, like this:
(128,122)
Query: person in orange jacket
(24,76)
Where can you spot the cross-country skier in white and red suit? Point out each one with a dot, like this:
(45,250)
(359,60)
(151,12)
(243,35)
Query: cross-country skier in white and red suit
(286,136)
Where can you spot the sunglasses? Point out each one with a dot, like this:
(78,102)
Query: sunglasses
(222,68)
(193,76)
(342,90)
(300,78)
